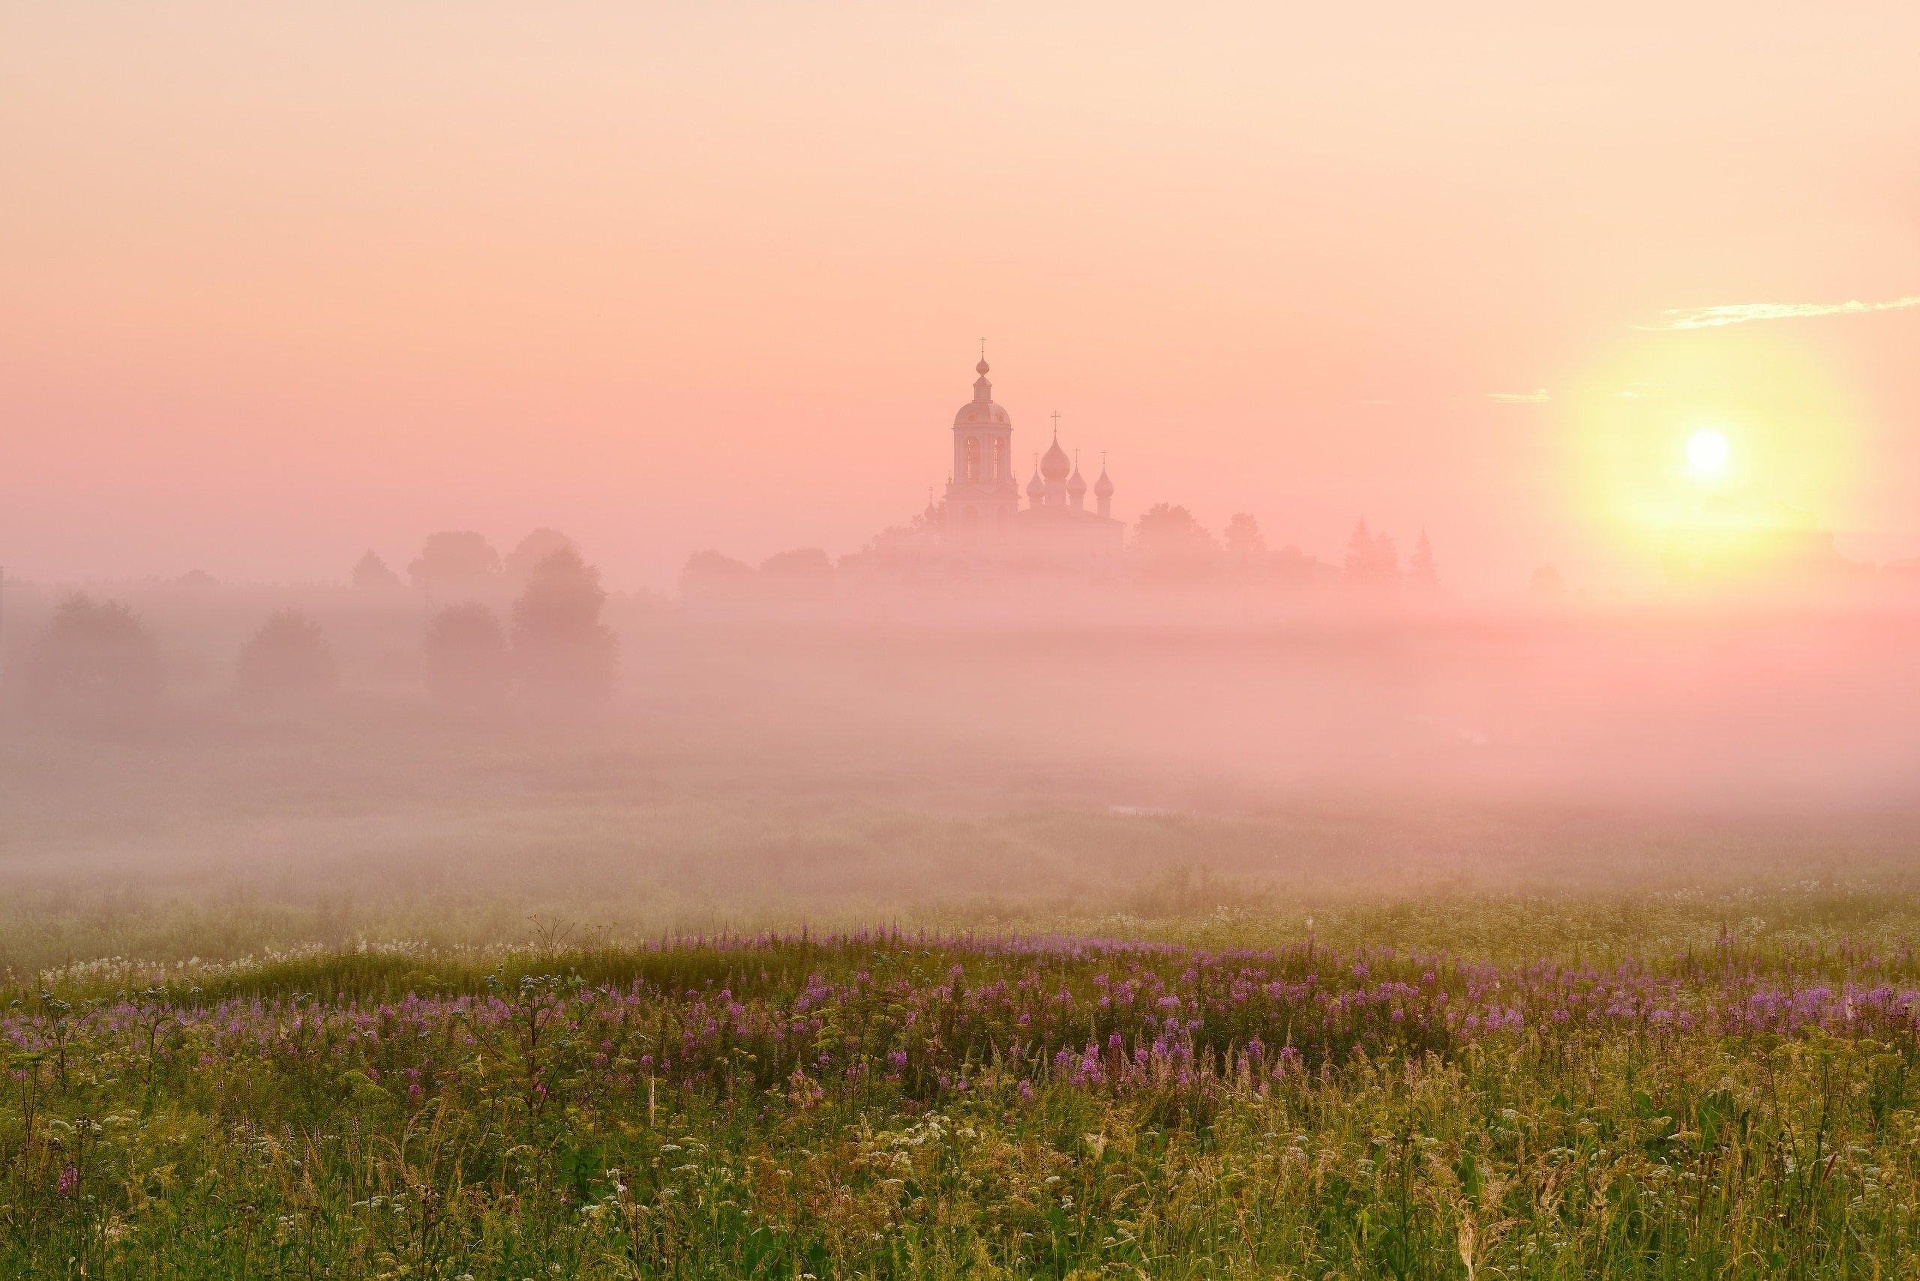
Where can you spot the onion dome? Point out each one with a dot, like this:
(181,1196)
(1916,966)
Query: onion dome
(1055,464)
(1036,489)
(1103,488)
(981,408)
(1076,483)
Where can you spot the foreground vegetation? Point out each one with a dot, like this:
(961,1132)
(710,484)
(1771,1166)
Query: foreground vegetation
(891,1104)
(1129,1020)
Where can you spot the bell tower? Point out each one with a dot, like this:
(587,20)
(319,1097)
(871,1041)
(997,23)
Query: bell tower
(982,496)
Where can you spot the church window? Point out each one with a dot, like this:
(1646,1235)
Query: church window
(972,468)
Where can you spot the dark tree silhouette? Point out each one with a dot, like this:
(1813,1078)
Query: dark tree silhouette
(1359,549)
(803,562)
(710,576)
(1171,545)
(531,550)
(370,573)
(1386,559)
(466,657)
(1372,560)
(563,655)
(1422,573)
(95,660)
(454,563)
(1243,537)
(288,655)
(803,572)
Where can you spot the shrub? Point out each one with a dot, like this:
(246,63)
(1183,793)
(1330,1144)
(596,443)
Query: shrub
(288,655)
(95,660)
(370,573)
(531,550)
(805,572)
(1169,545)
(455,562)
(709,576)
(563,654)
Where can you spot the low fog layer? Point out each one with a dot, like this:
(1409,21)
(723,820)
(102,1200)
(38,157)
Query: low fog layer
(314,757)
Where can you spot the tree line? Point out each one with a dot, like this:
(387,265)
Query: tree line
(99,661)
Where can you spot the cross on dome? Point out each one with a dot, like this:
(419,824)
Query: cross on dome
(981,409)
(1055,465)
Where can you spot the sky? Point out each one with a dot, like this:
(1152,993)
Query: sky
(282,283)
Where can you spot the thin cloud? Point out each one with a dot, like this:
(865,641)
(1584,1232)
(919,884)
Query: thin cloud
(1539,397)
(1740,313)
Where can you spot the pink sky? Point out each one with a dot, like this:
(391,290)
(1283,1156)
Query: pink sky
(280,283)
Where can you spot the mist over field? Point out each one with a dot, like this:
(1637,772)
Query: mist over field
(1116,758)
(776,642)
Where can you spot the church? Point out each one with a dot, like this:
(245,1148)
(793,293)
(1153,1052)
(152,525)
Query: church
(982,522)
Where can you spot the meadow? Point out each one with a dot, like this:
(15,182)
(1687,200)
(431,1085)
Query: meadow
(915,1104)
(777,972)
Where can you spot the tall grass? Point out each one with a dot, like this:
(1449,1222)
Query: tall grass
(897,1104)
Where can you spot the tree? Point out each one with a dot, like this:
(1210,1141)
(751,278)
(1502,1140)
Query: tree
(1243,537)
(1170,544)
(95,660)
(455,563)
(897,547)
(531,550)
(370,573)
(288,655)
(1359,551)
(803,562)
(466,657)
(709,576)
(1371,560)
(1386,560)
(1292,567)
(803,572)
(1547,584)
(1422,573)
(563,655)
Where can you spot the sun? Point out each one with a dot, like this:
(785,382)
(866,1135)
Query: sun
(1712,449)
(1708,453)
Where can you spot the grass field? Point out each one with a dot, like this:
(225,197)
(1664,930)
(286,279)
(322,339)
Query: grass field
(731,986)
(899,1104)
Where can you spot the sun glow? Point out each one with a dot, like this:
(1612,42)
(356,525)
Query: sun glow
(1708,453)
(1722,451)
